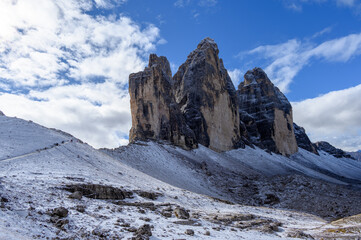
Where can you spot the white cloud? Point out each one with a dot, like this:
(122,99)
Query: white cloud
(236,76)
(76,64)
(334,117)
(201,3)
(297,5)
(288,58)
(322,32)
(348,3)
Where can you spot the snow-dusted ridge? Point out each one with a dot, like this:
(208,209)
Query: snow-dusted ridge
(38,162)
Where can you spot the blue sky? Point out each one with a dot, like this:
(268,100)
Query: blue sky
(65,63)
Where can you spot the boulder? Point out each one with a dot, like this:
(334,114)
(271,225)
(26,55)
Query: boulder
(302,139)
(181,213)
(155,114)
(266,113)
(207,98)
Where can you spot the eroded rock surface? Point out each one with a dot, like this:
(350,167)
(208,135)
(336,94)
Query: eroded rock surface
(302,139)
(155,114)
(266,113)
(207,98)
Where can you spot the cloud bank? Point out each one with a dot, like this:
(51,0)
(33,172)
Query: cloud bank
(334,117)
(63,67)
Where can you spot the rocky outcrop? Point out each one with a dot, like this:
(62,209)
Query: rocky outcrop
(207,98)
(302,139)
(199,104)
(155,114)
(1,113)
(336,152)
(266,113)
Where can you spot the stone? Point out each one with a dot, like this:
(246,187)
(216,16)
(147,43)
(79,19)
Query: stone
(1,113)
(60,212)
(302,139)
(80,208)
(155,114)
(336,152)
(144,230)
(189,232)
(266,113)
(98,191)
(181,213)
(207,98)
(76,195)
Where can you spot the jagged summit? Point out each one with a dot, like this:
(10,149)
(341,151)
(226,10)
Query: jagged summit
(155,115)
(199,105)
(266,113)
(208,43)
(206,96)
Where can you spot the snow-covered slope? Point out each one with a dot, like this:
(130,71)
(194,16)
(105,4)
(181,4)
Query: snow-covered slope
(33,179)
(252,176)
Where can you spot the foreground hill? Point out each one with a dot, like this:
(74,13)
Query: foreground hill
(53,186)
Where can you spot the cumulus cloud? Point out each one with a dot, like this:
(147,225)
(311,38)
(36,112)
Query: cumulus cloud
(334,117)
(287,59)
(65,68)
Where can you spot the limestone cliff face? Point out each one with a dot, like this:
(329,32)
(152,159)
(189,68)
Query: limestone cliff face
(155,114)
(199,104)
(302,139)
(266,113)
(207,98)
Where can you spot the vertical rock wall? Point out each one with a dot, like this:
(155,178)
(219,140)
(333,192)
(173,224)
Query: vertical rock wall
(155,115)
(268,114)
(199,104)
(207,98)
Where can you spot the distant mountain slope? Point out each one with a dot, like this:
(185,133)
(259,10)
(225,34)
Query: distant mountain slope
(356,155)
(252,176)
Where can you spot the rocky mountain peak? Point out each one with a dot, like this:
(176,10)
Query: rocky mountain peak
(208,43)
(266,113)
(1,113)
(206,97)
(155,114)
(162,62)
(199,104)
(255,76)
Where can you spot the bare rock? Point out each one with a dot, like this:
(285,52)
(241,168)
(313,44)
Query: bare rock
(144,230)
(336,152)
(189,232)
(207,98)
(98,191)
(76,195)
(60,212)
(181,213)
(302,139)
(155,114)
(266,113)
